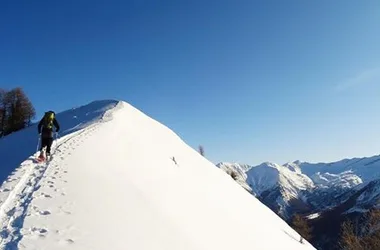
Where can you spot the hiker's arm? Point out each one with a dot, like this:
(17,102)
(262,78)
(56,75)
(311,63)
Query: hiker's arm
(56,124)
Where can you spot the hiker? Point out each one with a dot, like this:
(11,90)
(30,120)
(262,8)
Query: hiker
(45,129)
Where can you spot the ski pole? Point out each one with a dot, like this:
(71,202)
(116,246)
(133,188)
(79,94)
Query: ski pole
(38,143)
(56,137)
(56,141)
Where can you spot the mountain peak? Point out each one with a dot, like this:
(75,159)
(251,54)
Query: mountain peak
(112,158)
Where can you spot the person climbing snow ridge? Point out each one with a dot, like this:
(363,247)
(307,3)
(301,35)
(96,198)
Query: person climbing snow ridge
(45,130)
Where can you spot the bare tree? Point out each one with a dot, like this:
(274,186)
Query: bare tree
(201,150)
(301,225)
(349,239)
(369,236)
(5,110)
(232,173)
(371,240)
(17,111)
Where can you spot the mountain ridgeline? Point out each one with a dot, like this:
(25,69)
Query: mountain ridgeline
(326,194)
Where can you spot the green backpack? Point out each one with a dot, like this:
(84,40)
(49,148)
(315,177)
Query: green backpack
(48,120)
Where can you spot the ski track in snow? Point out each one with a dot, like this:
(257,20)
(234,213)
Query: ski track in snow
(32,176)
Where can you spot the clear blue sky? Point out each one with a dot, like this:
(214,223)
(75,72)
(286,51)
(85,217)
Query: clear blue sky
(251,81)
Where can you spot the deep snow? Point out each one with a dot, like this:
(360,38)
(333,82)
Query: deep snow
(120,180)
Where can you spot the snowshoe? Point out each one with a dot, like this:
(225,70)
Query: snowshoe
(41,158)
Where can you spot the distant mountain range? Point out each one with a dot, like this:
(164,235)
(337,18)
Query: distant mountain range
(343,189)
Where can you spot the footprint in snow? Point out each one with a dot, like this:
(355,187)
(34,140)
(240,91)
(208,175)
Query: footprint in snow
(46,212)
(40,231)
(46,195)
(11,212)
(66,241)
(64,211)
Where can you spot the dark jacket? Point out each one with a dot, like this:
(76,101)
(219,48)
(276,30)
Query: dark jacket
(47,132)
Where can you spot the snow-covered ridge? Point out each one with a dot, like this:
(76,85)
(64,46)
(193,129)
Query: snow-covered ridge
(370,195)
(269,175)
(347,173)
(344,180)
(122,180)
(366,168)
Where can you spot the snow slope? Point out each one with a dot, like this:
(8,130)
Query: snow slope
(20,145)
(125,181)
(240,171)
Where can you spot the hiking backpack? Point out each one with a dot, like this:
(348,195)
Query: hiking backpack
(49,119)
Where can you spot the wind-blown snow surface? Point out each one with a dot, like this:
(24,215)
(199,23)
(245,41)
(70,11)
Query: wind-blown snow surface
(128,182)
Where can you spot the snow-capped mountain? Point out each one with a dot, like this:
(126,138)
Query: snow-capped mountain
(366,168)
(337,182)
(306,186)
(325,193)
(280,186)
(119,179)
(267,175)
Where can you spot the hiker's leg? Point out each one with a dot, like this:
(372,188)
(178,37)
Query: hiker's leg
(49,142)
(43,143)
